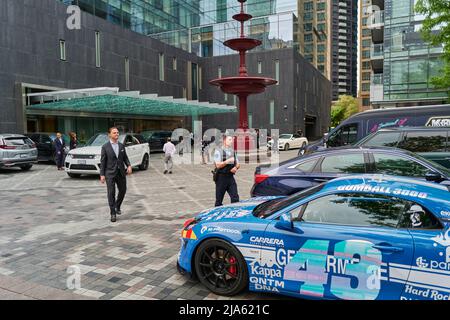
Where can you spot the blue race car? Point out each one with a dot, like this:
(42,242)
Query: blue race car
(356,237)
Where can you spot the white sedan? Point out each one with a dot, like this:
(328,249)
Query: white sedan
(289,141)
(86,160)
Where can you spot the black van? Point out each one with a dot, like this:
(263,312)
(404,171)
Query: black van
(358,126)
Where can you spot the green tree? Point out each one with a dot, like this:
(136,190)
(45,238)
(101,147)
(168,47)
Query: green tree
(343,108)
(436,30)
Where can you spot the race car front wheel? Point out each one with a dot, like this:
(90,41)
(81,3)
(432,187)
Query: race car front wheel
(221,267)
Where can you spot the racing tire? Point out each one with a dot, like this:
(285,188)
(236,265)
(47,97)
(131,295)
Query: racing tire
(286,147)
(145,161)
(26,167)
(73,175)
(220,267)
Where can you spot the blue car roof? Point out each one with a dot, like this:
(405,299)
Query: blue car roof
(427,193)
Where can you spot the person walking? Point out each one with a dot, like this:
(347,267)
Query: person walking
(73,140)
(169,150)
(227,164)
(115,165)
(60,145)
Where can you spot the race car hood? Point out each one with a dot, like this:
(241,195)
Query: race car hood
(238,210)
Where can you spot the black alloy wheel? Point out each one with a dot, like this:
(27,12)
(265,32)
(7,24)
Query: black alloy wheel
(221,267)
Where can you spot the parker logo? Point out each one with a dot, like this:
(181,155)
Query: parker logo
(421,262)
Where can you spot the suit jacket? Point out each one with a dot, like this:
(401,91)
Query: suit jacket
(110,164)
(59,147)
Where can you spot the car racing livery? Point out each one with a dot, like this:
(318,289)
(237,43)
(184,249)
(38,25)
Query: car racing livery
(366,237)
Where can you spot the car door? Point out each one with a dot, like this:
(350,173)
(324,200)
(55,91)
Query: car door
(47,147)
(297,141)
(130,148)
(342,245)
(429,277)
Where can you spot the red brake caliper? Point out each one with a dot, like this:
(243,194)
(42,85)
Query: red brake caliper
(232,269)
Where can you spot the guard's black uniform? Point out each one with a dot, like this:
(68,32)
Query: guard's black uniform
(225,182)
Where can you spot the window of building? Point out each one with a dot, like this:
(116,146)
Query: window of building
(308,16)
(250,120)
(277,71)
(308,37)
(366,102)
(365,86)
(366,65)
(62,50)
(367,43)
(320,58)
(259,66)
(127,73)
(320,48)
(97,49)
(272,112)
(309,6)
(309,48)
(366,54)
(321,26)
(321,68)
(308,27)
(161,66)
(219,71)
(321,16)
(366,76)
(321,6)
(200,78)
(174,63)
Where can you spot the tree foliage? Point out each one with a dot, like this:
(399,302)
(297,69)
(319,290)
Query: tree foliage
(343,108)
(436,30)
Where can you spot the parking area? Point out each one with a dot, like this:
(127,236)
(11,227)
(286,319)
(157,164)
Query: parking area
(52,226)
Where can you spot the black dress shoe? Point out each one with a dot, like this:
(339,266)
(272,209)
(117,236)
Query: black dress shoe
(165,171)
(113,218)
(118,212)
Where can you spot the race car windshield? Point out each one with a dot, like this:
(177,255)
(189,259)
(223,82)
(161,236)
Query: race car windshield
(268,208)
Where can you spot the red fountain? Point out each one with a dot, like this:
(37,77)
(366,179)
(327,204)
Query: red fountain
(243,85)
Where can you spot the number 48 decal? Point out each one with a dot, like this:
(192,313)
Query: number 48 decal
(353,272)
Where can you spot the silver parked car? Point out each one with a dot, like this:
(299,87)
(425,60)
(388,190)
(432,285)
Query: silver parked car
(17,150)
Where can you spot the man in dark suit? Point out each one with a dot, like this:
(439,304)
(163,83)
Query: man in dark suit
(59,150)
(115,165)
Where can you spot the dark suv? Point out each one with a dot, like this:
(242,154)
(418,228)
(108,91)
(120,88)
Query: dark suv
(45,145)
(431,143)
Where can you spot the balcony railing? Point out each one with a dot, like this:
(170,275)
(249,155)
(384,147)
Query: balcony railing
(377,79)
(377,51)
(376,20)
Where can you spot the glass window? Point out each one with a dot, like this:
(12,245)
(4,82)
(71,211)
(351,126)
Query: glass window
(346,135)
(422,141)
(308,27)
(161,67)
(272,112)
(127,73)
(398,166)
(417,217)
(383,139)
(355,210)
(174,63)
(345,163)
(62,50)
(97,50)
(306,166)
(277,71)
(260,67)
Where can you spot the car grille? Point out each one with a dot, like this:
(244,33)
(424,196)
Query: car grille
(82,167)
(83,156)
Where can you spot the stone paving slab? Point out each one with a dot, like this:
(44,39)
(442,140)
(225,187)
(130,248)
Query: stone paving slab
(52,226)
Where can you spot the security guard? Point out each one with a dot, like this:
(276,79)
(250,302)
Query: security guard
(227,164)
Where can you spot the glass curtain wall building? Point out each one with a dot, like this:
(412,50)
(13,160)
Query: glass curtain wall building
(402,63)
(200,26)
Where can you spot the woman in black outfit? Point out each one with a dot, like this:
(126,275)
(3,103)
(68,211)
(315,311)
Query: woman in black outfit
(73,140)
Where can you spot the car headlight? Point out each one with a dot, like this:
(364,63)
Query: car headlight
(97,157)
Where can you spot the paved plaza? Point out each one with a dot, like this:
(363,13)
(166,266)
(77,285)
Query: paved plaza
(52,226)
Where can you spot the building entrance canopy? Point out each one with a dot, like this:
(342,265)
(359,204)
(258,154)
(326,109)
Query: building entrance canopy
(110,101)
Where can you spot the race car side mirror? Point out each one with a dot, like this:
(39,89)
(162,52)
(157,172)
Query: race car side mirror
(285,222)
(433,176)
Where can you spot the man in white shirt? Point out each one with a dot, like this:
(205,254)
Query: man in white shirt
(169,150)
